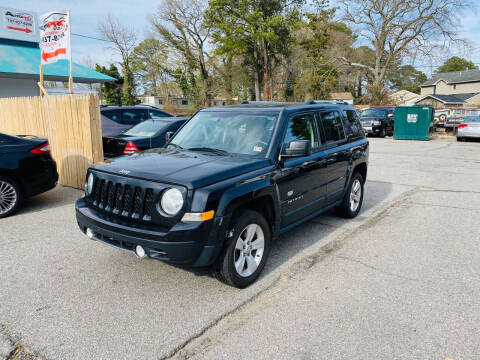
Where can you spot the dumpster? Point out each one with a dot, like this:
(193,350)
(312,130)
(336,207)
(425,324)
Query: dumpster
(413,122)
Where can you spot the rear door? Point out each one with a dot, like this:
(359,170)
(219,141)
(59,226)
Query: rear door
(337,153)
(111,122)
(300,183)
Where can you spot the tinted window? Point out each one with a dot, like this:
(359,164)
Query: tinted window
(332,126)
(351,123)
(302,127)
(114,115)
(158,114)
(134,116)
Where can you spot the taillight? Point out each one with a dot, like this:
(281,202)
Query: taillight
(42,149)
(461,126)
(130,148)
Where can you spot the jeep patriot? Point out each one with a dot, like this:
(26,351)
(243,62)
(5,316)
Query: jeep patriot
(227,183)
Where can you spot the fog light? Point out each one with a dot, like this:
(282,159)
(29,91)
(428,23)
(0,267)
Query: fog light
(90,234)
(140,251)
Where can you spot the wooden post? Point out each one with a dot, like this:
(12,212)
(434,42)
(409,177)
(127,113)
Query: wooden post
(41,80)
(70,77)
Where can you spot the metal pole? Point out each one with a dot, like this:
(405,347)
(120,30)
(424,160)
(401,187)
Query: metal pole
(70,77)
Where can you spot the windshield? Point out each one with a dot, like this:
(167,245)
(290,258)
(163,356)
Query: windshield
(232,132)
(373,112)
(146,128)
(471,119)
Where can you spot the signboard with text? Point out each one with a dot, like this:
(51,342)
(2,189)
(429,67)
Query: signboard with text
(55,36)
(18,24)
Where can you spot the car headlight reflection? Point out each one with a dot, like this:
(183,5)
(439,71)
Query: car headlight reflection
(172,201)
(89,184)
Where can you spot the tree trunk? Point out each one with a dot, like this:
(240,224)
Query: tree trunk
(229,79)
(267,81)
(256,77)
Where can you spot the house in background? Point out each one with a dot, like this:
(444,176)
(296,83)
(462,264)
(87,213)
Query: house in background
(342,96)
(452,89)
(403,97)
(20,60)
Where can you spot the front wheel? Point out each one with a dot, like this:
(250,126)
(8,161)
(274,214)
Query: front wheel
(10,196)
(245,256)
(353,198)
(382,133)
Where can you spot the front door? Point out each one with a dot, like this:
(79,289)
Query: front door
(300,183)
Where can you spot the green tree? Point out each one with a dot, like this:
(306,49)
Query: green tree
(258,30)
(456,64)
(408,78)
(111,90)
(149,59)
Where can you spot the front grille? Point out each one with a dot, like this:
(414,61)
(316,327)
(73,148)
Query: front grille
(123,200)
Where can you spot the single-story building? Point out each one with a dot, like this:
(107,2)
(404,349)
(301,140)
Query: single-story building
(20,58)
(403,97)
(342,96)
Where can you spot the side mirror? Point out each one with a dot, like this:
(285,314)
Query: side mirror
(168,136)
(390,115)
(299,148)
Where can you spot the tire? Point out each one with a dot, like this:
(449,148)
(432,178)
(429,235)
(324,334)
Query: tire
(252,265)
(346,208)
(382,133)
(10,196)
(459,138)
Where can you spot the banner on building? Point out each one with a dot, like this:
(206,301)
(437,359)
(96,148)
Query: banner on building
(55,36)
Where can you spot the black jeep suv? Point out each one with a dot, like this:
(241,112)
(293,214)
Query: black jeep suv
(229,182)
(378,121)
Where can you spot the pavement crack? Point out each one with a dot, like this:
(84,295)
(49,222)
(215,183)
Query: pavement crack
(18,352)
(374,268)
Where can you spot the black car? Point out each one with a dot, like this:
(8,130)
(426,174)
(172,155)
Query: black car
(116,119)
(228,183)
(378,121)
(146,135)
(26,169)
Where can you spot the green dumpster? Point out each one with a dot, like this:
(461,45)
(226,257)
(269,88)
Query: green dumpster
(413,122)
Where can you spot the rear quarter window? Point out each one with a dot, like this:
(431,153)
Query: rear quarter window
(115,115)
(351,123)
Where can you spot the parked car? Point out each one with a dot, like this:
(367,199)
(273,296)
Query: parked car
(378,121)
(469,128)
(146,135)
(228,183)
(116,119)
(26,169)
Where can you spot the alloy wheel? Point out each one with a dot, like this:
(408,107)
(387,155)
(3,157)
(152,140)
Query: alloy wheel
(8,197)
(249,250)
(355,195)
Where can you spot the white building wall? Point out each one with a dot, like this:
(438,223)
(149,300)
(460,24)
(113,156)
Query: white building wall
(18,87)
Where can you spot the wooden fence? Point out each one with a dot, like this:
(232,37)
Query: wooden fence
(71,123)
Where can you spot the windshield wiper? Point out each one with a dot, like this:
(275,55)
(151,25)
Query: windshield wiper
(175,145)
(208,149)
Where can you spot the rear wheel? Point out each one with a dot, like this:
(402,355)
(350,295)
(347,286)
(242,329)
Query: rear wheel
(382,133)
(244,258)
(459,138)
(10,196)
(353,198)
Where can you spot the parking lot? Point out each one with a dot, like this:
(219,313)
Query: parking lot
(400,281)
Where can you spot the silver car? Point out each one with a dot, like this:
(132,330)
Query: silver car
(469,128)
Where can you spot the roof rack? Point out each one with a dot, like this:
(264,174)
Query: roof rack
(244,102)
(338,102)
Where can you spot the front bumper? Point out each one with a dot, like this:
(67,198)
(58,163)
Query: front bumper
(375,129)
(186,243)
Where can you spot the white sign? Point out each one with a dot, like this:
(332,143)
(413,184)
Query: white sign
(55,36)
(18,24)
(412,118)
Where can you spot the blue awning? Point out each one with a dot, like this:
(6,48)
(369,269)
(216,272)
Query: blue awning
(23,62)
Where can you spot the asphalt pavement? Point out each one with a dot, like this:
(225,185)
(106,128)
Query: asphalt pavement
(398,282)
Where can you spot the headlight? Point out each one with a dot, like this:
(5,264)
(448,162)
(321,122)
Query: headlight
(89,185)
(377,123)
(172,201)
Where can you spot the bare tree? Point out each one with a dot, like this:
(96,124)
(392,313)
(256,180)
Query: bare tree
(395,28)
(180,23)
(123,40)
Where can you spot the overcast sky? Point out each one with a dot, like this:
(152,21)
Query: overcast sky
(86,15)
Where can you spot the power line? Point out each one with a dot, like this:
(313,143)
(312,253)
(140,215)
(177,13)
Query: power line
(91,37)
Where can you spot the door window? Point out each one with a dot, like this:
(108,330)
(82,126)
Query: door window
(352,124)
(134,116)
(158,114)
(332,126)
(114,115)
(302,127)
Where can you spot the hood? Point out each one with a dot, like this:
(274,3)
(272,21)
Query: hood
(191,169)
(370,118)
